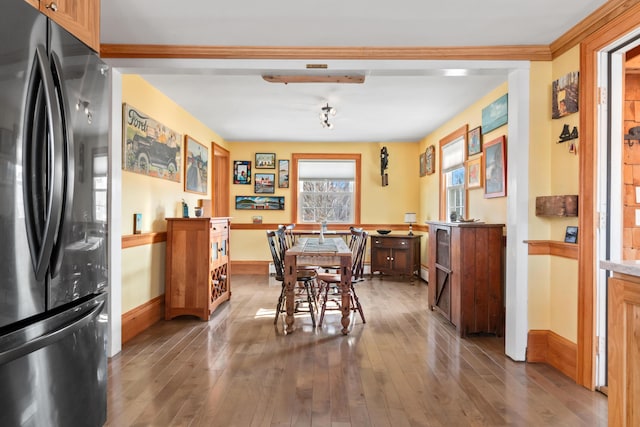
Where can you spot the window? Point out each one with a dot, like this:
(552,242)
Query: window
(453,193)
(326,188)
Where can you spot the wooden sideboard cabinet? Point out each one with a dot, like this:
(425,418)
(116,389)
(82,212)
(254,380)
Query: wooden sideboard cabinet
(623,350)
(466,275)
(80,17)
(395,254)
(197,276)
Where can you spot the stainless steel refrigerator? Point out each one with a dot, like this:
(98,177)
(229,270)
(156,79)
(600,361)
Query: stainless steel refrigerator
(53,223)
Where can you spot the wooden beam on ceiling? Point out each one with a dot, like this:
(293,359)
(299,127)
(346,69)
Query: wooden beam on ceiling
(314,79)
(504,53)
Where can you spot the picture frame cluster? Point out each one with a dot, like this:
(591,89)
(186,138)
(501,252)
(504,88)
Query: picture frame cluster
(263,181)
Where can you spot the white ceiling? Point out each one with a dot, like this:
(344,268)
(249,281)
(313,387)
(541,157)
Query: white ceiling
(399,101)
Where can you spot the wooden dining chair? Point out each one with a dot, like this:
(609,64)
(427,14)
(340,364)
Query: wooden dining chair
(305,278)
(330,282)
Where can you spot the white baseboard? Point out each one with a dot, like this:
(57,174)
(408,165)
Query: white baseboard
(424,274)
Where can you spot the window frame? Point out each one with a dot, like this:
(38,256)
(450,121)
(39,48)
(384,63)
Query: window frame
(293,180)
(461,132)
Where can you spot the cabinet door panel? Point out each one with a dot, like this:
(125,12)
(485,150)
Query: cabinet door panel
(380,259)
(80,17)
(401,261)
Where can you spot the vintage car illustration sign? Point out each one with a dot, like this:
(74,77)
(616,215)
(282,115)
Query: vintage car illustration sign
(150,148)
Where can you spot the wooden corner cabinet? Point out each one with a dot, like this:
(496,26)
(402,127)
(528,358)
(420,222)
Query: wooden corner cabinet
(395,254)
(466,275)
(197,276)
(80,17)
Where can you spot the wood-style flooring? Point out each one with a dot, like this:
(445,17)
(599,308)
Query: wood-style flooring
(404,367)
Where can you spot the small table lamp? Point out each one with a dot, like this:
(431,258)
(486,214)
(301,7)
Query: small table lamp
(410,218)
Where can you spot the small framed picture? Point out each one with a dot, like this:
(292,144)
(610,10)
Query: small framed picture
(423,164)
(265,160)
(474,172)
(264,183)
(430,159)
(474,141)
(571,236)
(283,173)
(137,223)
(495,168)
(241,172)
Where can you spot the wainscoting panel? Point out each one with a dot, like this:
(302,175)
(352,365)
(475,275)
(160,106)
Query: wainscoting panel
(545,346)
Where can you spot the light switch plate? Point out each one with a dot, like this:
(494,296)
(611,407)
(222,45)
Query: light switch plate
(637,217)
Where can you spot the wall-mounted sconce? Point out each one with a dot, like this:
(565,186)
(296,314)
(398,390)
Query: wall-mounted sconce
(565,135)
(632,136)
(384,162)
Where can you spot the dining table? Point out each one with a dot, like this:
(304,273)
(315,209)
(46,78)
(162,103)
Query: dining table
(318,251)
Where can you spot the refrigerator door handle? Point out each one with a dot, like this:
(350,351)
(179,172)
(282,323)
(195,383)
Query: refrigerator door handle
(52,334)
(42,237)
(68,165)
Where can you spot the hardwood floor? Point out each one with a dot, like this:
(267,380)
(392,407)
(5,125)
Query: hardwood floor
(404,367)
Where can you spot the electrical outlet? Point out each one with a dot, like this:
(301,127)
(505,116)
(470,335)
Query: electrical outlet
(637,217)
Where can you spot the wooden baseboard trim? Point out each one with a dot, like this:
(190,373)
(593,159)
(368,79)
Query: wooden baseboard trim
(140,318)
(250,267)
(545,346)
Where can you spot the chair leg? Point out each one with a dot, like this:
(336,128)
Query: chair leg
(279,305)
(357,305)
(307,286)
(324,302)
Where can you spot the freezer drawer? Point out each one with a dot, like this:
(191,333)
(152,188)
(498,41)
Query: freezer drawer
(54,372)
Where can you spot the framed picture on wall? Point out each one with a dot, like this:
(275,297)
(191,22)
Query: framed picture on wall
(495,168)
(241,172)
(149,147)
(564,95)
(283,173)
(571,235)
(474,173)
(495,114)
(260,203)
(196,166)
(430,159)
(474,141)
(265,161)
(423,164)
(264,183)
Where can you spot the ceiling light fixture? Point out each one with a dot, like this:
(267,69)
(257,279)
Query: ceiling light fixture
(325,112)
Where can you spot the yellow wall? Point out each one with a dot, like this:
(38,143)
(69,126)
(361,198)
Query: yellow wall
(563,274)
(493,210)
(380,205)
(539,184)
(553,281)
(155,198)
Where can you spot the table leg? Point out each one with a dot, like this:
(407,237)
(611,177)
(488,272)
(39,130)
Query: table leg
(290,276)
(345,290)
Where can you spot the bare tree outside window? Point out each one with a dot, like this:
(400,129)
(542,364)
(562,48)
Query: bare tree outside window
(326,200)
